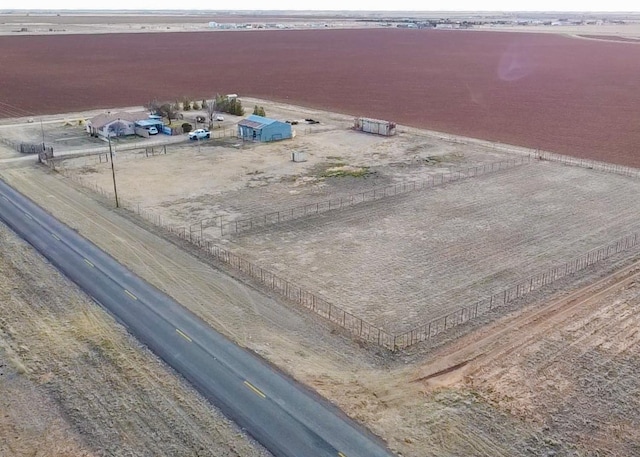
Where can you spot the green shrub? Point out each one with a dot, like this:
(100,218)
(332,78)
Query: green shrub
(186,127)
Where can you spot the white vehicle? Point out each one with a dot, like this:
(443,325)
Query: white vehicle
(152,130)
(219,118)
(199,134)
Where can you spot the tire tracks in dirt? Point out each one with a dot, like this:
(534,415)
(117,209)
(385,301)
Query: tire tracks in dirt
(470,354)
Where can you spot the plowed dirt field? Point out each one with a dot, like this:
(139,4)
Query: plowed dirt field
(557,93)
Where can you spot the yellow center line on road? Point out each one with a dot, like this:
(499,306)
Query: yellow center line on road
(55,236)
(130,294)
(340,454)
(255,389)
(89,263)
(183,335)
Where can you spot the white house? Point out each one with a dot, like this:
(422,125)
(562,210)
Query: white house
(114,124)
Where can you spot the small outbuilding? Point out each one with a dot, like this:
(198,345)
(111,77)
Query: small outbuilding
(258,128)
(376,126)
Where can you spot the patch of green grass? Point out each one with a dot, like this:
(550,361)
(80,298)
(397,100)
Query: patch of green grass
(338,172)
(453,157)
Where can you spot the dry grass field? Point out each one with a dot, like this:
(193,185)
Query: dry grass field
(73,383)
(231,180)
(396,263)
(552,374)
(569,367)
(418,417)
(403,261)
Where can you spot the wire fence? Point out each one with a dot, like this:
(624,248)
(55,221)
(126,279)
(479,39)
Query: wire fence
(355,325)
(465,314)
(312,209)
(590,164)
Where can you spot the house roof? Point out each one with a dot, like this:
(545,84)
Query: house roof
(256,122)
(105,119)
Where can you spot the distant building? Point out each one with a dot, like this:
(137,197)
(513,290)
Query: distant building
(449,26)
(263,129)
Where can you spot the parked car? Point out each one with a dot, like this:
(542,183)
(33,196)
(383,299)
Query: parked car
(152,130)
(199,134)
(219,118)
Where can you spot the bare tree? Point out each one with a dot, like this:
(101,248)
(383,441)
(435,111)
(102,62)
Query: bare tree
(117,128)
(169,111)
(153,106)
(212,110)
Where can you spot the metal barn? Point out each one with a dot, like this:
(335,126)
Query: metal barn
(376,126)
(258,128)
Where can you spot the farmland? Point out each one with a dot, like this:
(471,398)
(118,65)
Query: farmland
(398,262)
(405,260)
(553,373)
(418,417)
(537,90)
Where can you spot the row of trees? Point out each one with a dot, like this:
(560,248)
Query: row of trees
(220,104)
(229,105)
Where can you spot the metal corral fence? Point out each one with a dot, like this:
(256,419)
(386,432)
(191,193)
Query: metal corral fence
(318,305)
(462,315)
(244,225)
(34,148)
(355,325)
(312,302)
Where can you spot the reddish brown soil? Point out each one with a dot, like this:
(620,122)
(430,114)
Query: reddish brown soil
(579,97)
(612,38)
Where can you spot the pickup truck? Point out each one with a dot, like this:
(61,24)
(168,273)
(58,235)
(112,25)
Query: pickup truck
(199,134)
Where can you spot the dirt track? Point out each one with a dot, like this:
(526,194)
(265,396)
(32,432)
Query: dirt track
(578,97)
(570,366)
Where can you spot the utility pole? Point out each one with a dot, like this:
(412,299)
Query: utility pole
(113,170)
(42,130)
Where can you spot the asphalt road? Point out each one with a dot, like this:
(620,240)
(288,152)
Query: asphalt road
(279,413)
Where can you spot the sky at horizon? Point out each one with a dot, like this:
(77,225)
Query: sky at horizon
(344,5)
